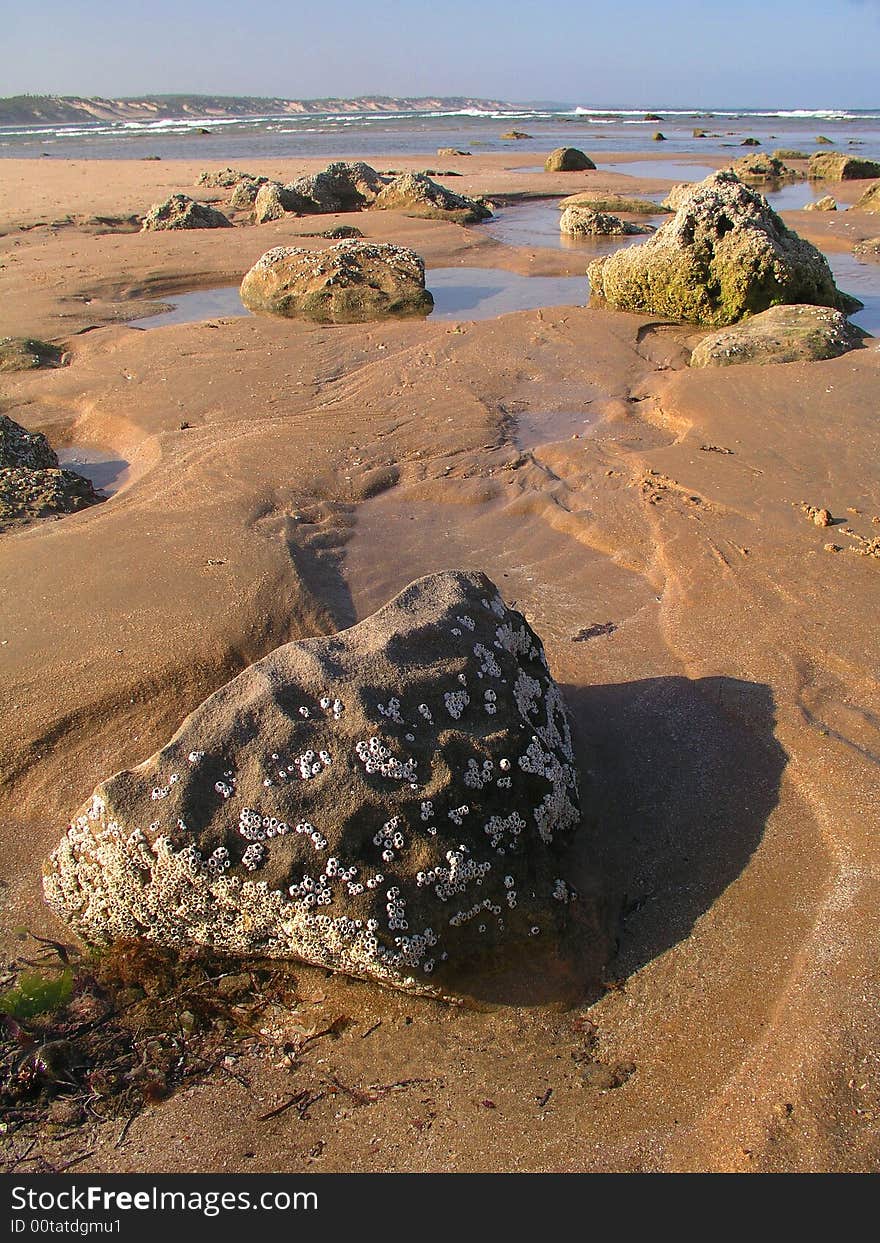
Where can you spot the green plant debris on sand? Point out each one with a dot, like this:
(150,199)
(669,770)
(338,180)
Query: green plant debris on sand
(37,993)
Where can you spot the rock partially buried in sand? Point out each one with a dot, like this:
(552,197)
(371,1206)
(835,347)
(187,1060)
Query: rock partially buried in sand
(27,354)
(613,203)
(451,151)
(181,212)
(245,192)
(274,201)
(581,222)
(417,195)
(32,485)
(725,254)
(870,200)
(784,334)
(347,283)
(515,135)
(567,160)
(393,802)
(827,203)
(225,178)
(836,167)
(870,248)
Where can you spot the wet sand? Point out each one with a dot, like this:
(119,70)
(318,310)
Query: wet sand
(727,720)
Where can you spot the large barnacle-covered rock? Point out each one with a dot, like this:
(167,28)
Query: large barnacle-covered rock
(394,802)
(724,255)
(340,187)
(582,222)
(181,212)
(347,283)
(419,195)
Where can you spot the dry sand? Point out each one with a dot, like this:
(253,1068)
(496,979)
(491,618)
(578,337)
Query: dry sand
(727,724)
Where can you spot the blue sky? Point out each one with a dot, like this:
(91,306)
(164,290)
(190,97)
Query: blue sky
(743,53)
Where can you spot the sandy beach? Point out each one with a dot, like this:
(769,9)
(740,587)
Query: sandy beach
(717,650)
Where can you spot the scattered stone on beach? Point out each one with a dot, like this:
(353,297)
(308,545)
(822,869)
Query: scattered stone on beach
(827,203)
(347,283)
(869,248)
(724,255)
(581,222)
(225,178)
(340,187)
(651,116)
(819,516)
(782,334)
(763,167)
(394,802)
(835,166)
(658,137)
(32,485)
(567,160)
(27,354)
(418,195)
(750,142)
(515,135)
(244,193)
(450,151)
(341,232)
(699,133)
(613,203)
(275,201)
(870,200)
(181,212)
(823,141)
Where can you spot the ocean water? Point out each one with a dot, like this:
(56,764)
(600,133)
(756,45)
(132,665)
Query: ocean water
(336,135)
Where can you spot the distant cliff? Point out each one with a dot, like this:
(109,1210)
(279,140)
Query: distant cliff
(70,109)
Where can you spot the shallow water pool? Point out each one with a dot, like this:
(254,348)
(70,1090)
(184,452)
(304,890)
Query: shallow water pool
(107,471)
(862,280)
(669,170)
(537,224)
(459,293)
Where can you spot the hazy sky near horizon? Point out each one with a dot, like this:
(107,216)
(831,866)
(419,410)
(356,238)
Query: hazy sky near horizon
(664,53)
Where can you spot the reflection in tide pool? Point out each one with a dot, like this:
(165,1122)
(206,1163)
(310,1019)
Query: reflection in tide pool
(191,308)
(536,223)
(107,471)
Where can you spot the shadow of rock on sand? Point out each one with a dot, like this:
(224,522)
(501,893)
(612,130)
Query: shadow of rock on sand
(680,778)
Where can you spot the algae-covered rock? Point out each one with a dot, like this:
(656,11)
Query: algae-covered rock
(763,167)
(27,354)
(750,142)
(515,135)
(32,485)
(834,166)
(725,254)
(417,195)
(581,222)
(394,802)
(181,212)
(827,203)
(870,200)
(783,334)
(658,137)
(790,153)
(567,160)
(347,283)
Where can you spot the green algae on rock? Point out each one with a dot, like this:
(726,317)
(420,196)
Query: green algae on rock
(782,334)
(179,211)
(567,160)
(27,354)
(763,167)
(348,283)
(724,255)
(834,166)
(394,802)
